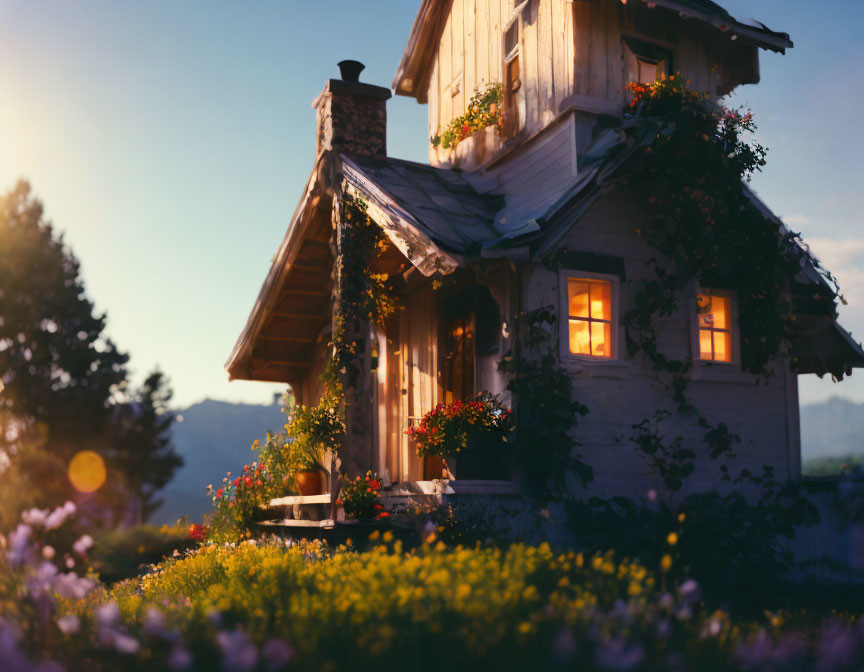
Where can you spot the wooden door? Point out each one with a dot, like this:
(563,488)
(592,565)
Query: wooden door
(459,358)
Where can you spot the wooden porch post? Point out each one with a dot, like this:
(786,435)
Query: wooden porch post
(358,452)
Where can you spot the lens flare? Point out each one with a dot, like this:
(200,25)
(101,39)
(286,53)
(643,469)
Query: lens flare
(87,471)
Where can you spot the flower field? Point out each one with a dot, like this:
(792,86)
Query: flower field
(272,605)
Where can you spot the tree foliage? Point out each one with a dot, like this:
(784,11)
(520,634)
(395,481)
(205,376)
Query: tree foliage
(142,449)
(58,368)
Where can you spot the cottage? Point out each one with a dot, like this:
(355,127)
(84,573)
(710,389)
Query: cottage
(528,201)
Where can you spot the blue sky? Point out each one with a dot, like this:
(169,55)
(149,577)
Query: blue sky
(170,141)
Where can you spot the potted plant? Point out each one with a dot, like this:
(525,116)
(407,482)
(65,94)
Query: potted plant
(361,498)
(316,434)
(310,468)
(472,436)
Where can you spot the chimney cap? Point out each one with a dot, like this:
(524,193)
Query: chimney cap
(350,70)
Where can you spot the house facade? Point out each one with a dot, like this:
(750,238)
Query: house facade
(536,210)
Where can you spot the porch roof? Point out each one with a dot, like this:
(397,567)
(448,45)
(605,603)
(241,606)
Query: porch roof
(438,202)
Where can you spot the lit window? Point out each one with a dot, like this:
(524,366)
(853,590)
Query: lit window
(589,313)
(714,313)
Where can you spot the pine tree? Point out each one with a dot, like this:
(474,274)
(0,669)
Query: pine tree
(58,368)
(142,450)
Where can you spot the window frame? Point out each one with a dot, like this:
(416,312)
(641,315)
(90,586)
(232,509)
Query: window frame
(514,120)
(614,281)
(734,328)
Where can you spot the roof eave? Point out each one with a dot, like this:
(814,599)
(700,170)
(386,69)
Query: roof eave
(237,365)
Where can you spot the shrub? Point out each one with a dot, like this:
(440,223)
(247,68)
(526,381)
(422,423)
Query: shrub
(121,553)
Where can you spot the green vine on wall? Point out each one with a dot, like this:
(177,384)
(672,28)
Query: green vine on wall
(362,298)
(705,228)
(546,414)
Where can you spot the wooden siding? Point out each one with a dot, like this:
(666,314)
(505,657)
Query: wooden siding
(622,393)
(571,55)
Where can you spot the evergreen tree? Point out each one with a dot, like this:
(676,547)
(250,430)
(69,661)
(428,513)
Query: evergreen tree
(58,369)
(142,450)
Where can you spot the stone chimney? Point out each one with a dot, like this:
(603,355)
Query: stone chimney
(352,116)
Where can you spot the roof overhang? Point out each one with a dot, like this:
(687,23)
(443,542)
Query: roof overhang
(293,310)
(292,305)
(415,67)
(400,226)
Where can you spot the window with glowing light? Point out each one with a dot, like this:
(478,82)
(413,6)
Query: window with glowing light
(714,320)
(590,321)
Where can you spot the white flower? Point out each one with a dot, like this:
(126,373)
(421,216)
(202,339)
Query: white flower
(108,614)
(34,517)
(126,644)
(69,624)
(84,543)
(18,544)
(72,585)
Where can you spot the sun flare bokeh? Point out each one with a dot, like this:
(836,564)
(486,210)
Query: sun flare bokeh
(87,471)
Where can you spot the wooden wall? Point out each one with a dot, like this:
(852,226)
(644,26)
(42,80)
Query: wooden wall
(407,381)
(622,393)
(572,48)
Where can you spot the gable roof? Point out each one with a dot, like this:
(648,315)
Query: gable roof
(415,67)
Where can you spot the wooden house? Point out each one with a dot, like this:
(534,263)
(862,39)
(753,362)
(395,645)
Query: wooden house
(518,216)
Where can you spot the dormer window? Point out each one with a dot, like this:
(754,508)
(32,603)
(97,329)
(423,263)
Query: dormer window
(648,61)
(514,94)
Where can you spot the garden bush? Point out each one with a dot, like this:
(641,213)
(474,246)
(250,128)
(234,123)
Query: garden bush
(121,553)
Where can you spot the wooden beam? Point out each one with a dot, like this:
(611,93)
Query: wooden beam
(285,339)
(304,292)
(299,316)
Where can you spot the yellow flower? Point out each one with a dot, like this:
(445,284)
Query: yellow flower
(681,517)
(388,536)
(525,627)
(672,538)
(374,535)
(666,563)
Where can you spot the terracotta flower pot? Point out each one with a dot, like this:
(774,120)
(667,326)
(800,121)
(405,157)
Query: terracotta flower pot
(310,483)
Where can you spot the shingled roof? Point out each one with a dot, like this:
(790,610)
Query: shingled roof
(440,203)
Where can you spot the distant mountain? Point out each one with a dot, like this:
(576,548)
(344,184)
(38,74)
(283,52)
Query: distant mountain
(832,428)
(213,437)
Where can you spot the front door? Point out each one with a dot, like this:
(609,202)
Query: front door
(458,371)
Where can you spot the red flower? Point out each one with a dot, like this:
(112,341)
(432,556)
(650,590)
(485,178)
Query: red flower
(375,485)
(377,506)
(197,532)
(383,514)
(259,483)
(219,493)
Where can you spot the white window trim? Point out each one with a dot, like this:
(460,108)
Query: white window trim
(734,329)
(564,317)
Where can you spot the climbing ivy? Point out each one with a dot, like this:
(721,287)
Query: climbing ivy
(705,227)
(546,414)
(361,298)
